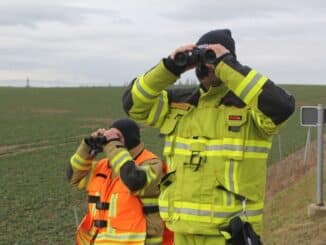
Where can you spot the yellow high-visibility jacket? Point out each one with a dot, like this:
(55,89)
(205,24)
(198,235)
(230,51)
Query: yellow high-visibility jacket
(216,143)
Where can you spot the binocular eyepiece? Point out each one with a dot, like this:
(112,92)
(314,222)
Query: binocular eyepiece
(96,144)
(195,57)
(96,141)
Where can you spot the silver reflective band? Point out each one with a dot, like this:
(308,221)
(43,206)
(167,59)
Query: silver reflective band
(229,214)
(143,92)
(192,211)
(252,83)
(231,175)
(197,212)
(80,162)
(117,161)
(158,110)
(163,209)
(222,147)
(76,160)
(121,237)
(257,149)
(182,146)
(228,200)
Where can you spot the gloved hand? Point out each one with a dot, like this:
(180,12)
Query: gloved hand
(171,65)
(96,141)
(220,52)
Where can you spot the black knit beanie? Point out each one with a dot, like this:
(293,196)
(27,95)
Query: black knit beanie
(130,131)
(222,36)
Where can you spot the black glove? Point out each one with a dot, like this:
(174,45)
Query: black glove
(96,144)
(173,67)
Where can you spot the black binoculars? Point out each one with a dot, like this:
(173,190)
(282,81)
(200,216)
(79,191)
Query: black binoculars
(195,57)
(96,143)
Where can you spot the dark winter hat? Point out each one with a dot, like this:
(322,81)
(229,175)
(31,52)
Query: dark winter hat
(222,36)
(130,131)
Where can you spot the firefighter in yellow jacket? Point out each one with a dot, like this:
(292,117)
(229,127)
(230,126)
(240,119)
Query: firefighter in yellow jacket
(122,188)
(217,138)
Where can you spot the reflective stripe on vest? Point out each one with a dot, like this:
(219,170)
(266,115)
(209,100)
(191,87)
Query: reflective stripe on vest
(123,238)
(111,237)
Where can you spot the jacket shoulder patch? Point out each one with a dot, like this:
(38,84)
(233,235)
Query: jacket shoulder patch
(181,106)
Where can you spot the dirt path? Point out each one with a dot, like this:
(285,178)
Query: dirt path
(9,150)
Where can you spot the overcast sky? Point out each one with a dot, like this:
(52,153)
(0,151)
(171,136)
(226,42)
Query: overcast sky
(110,42)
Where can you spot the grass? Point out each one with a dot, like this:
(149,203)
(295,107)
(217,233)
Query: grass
(29,115)
(43,127)
(37,202)
(286,219)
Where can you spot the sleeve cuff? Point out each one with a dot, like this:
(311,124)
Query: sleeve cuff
(83,150)
(172,67)
(78,162)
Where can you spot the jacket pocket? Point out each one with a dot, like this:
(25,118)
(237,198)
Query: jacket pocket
(235,133)
(97,182)
(170,123)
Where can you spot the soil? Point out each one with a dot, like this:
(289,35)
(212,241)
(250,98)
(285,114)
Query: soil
(291,169)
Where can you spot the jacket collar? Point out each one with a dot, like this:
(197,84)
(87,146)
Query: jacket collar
(136,151)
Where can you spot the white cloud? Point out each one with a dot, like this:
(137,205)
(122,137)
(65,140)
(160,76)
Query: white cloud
(30,13)
(113,41)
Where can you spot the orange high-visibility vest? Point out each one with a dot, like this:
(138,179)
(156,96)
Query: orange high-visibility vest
(115,215)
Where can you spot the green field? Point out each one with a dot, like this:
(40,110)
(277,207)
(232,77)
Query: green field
(40,129)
